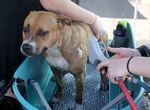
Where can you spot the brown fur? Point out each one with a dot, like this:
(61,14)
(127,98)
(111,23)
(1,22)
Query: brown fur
(69,35)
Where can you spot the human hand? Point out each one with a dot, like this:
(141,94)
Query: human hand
(115,68)
(123,52)
(98,29)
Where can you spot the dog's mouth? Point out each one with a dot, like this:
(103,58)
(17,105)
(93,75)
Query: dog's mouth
(32,52)
(44,50)
(28,53)
(28,49)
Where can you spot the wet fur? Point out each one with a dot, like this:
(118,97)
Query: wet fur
(70,37)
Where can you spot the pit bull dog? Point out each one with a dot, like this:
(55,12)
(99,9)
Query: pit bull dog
(63,42)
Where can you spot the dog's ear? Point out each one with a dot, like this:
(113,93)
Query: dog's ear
(32,12)
(63,20)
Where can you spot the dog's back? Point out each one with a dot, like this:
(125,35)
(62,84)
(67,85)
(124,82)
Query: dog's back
(74,45)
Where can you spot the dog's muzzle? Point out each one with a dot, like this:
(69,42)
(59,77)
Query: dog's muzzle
(27,49)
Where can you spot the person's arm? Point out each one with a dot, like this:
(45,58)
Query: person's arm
(68,8)
(140,66)
(74,11)
(123,52)
(118,67)
(143,51)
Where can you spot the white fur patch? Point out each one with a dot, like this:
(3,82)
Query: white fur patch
(56,59)
(80,53)
(29,41)
(34,45)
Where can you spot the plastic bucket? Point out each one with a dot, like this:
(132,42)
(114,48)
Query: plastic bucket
(37,69)
(135,90)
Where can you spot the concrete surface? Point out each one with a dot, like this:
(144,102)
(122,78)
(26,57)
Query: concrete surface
(113,10)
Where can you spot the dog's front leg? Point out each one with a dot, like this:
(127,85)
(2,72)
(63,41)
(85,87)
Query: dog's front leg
(104,82)
(58,77)
(79,85)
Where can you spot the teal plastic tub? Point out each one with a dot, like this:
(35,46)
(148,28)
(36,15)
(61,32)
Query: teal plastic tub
(37,69)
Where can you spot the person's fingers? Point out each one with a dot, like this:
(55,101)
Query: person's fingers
(102,65)
(116,56)
(113,80)
(122,78)
(113,50)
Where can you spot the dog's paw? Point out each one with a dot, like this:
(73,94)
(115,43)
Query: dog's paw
(104,82)
(68,93)
(104,87)
(58,94)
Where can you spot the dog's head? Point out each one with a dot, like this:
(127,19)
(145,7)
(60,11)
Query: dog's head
(41,31)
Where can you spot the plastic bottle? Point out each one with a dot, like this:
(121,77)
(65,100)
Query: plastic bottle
(120,38)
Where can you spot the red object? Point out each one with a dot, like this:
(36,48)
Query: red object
(127,95)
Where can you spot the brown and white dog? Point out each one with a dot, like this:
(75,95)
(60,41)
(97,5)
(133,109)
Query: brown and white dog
(63,43)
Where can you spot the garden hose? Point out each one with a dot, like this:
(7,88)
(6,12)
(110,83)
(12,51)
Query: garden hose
(127,95)
(125,92)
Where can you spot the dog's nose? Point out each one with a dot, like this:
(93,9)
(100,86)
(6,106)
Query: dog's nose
(27,47)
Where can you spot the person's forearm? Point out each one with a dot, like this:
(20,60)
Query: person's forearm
(140,66)
(70,9)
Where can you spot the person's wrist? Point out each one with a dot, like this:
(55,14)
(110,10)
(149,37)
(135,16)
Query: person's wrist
(129,65)
(97,27)
(93,21)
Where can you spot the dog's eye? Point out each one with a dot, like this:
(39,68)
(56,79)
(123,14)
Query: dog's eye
(42,33)
(26,29)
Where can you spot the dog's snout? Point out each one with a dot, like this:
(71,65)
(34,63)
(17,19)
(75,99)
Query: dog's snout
(27,47)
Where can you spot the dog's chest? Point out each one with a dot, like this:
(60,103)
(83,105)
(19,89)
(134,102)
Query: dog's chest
(55,58)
